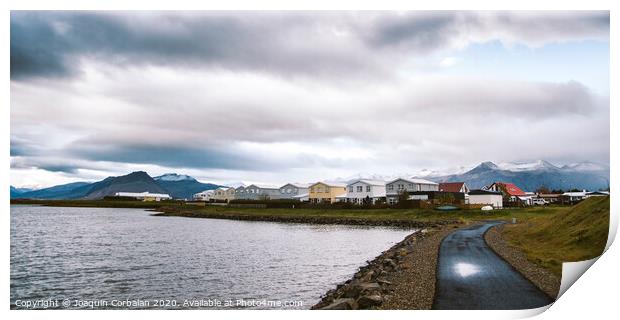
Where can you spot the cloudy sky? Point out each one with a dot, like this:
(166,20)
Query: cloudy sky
(274,97)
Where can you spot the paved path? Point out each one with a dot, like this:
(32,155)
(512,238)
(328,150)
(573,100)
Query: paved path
(471,276)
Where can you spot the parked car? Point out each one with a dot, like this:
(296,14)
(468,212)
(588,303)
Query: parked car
(539,202)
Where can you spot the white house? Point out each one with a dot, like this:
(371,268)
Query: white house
(204,195)
(486,197)
(395,187)
(223,194)
(365,191)
(144,196)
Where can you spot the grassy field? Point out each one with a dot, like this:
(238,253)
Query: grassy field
(573,234)
(373,214)
(181,209)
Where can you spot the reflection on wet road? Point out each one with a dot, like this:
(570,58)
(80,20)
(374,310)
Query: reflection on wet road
(471,276)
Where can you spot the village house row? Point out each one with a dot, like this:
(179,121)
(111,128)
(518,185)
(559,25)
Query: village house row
(364,191)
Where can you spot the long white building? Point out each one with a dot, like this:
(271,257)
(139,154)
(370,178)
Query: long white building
(204,195)
(144,196)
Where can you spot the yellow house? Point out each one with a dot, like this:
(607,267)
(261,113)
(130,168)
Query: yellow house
(327,192)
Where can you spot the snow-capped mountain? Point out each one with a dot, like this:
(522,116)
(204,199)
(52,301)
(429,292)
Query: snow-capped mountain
(532,175)
(173,177)
(527,166)
(586,166)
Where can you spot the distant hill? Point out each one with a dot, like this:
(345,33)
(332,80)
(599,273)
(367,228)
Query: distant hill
(182,186)
(138,181)
(531,176)
(73,190)
(177,186)
(17,192)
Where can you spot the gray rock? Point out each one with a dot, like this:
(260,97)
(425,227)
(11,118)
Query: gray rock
(342,304)
(389,263)
(383,281)
(369,301)
(368,276)
(355,291)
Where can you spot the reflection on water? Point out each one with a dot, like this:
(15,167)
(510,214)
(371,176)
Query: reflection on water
(102,253)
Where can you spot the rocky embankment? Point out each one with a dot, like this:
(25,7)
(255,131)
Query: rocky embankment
(544,279)
(403,277)
(403,223)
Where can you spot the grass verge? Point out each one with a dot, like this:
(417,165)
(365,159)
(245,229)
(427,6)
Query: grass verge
(574,234)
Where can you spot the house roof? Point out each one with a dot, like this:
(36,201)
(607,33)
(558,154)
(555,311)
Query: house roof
(511,188)
(415,180)
(141,194)
(605,193)
(483,192)
(451,186)
(369,182)
(549,195)
(297,185)
(331,183)
(263,186)
(575,194)
(206,191)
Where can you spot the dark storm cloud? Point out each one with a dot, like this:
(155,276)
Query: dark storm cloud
(173,156)
(52,44)
(49,44)
(53,164)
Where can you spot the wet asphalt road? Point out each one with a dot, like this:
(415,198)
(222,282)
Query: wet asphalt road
(471,276)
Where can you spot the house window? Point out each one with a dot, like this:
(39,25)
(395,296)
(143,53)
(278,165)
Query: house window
(367,188)
(351,189)
(391,187)
(401,187)
(391,200)
(359,188)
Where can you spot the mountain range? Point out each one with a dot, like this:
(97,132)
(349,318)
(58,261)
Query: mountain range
(177,186)
(528,176)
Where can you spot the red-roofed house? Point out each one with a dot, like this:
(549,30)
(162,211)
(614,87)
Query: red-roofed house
(511,192)
(453,187)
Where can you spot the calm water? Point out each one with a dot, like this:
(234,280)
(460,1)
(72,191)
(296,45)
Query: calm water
(101,256)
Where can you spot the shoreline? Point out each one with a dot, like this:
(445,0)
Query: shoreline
(401,278)
(409,224)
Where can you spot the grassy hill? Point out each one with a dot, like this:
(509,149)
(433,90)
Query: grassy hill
(574,234)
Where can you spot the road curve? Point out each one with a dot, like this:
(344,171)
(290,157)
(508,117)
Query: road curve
(471,276)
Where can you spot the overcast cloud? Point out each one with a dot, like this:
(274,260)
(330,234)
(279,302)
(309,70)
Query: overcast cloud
(275,97)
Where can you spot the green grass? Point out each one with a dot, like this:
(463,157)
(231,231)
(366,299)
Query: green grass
(574,234)
(181,209)
(368,214)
